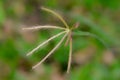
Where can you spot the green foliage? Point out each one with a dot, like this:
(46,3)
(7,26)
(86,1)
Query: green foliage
(2,12)
(99,17)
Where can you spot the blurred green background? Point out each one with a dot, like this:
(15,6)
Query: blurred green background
(91,60)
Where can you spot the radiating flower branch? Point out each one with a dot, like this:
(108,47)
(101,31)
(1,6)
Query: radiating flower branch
(43,27)
(68,33)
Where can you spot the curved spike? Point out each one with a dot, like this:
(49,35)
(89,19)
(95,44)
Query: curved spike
(56,14)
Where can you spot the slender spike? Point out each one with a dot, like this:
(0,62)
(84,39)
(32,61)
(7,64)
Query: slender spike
(40,45)
(43,27)
(50,52)
(56,14)
(70,56)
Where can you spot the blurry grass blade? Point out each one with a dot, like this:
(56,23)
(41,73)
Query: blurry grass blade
(70,56)
(95,28)
(50,51)
(56,14)
(2,13)
(81,33)
(42,27)
(40,45)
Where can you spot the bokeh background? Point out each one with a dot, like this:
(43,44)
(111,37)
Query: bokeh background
(91,60)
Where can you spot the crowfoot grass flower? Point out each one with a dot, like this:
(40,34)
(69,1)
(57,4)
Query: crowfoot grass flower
(68,33)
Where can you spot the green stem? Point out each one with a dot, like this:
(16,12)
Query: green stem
(82,33)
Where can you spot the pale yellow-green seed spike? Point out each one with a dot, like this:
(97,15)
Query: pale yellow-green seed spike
(56,14)
(70,56)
